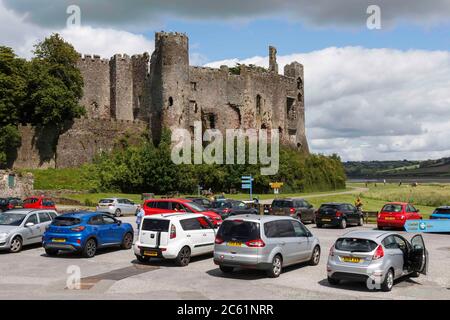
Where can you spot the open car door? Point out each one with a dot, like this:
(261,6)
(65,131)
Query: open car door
(418,256)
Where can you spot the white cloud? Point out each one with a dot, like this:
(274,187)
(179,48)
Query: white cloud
(374,103)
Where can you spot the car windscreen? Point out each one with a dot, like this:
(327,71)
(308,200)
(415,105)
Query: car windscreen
(442,211)
(282,204)
(155,225)
(106,201)
(66,221)
(238,230)
(11,219)
(355,245)
(392,208)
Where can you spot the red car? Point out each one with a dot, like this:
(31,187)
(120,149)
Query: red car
(39,203)
(158,206)
(395,214)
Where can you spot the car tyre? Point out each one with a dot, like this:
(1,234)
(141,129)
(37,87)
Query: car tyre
(142,259)
(16,245)
(415,274)
(275,269)
(117,213)
(127,241)
(51,252)
(333,282)
(343,224)
(315,256)
(226,269)
(184,257)
(388,281)
(318,225)
(380,228)
(89,249)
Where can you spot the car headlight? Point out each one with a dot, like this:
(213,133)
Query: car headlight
(3,236)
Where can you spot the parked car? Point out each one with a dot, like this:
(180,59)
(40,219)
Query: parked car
(338,214)
(39,203)
(395,214)
(85,232)
(159,206)
(441,213)
(229,207)
(294,207)
(174,236)
(117,206)
(202,201)
(22,227)
(10,203)
(264,242)
(376,257)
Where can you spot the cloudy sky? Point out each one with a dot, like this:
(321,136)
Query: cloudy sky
(370,94)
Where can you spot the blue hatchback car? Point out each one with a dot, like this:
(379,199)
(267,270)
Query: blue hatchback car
(85,232)
(441,213)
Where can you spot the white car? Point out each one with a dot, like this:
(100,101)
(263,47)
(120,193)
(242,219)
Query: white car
(117,206)
(174,236)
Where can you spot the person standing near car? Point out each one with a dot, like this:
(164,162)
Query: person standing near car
(359,204)
(140,213)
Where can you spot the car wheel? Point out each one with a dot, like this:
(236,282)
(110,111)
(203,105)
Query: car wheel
(90,248)
(16,245)
(226,269)
(143,259)
(333,282)
(343,224)
(127,241)
(415,274)
(315,257)
(277,265)
(184,256)
(361,221)
(51,252)
(388,282)
(318,225)
(380,228)
(117,213)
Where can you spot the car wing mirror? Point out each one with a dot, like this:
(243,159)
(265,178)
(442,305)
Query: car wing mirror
(29,224)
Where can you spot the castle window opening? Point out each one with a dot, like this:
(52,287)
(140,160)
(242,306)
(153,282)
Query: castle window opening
(280,130)
(290,108)
(300,97)
(263,126)
(212,121)
(194,86)
(170,101)
(299,83)
(258,104)
(11,181)
(193,106)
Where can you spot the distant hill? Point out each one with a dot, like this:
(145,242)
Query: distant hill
(398,169)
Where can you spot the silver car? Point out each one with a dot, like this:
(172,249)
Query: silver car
(376,258)
(117,206)
(264,242)
(22,227)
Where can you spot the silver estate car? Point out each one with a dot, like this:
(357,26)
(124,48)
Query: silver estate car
(117,206)
(376,257)
(264,242)
(22,227)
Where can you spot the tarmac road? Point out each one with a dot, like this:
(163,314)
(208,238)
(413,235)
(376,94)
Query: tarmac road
(115,274)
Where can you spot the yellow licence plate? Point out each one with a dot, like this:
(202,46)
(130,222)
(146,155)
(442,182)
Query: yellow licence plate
(58,240)
(234,244)
(151,253)
(389,218)
(351,259)
(326,219)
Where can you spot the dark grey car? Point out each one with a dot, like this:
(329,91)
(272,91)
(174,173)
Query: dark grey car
(294,207)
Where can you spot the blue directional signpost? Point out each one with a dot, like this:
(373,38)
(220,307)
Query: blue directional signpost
(247,183)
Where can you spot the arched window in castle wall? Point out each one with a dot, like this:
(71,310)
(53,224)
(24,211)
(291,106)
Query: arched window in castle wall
(258,104)
(170,101)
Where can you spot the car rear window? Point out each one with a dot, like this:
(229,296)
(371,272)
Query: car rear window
(31,200)
(282,204)
(238,230)
(442,211)
(392,208)
(155,225)
(66,221)
(106,201)
(330,206)
(355,245)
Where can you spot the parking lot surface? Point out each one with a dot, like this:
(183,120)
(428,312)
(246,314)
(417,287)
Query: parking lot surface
(116,274)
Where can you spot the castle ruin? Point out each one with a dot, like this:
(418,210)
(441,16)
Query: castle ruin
(144,92)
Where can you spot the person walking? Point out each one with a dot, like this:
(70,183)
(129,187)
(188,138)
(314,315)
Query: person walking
(139,215)
(359,204)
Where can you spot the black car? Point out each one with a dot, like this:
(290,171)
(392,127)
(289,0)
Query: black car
(10,203)
(229,207)
(339,215)
(205,203)
(294,207)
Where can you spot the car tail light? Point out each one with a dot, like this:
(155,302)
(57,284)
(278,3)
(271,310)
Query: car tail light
(173,232)
(226,210)
(10,206)
(338,214)
(78,229)
(258,243)
(379,253)
(331,254)
(291,210)
(218,240)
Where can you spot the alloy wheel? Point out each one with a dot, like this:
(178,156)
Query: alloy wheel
(185,256)
(91,248)
(276,265)
(316,255)
(16,245)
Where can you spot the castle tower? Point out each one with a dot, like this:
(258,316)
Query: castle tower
(273,65)
(121,87)
(170,81)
